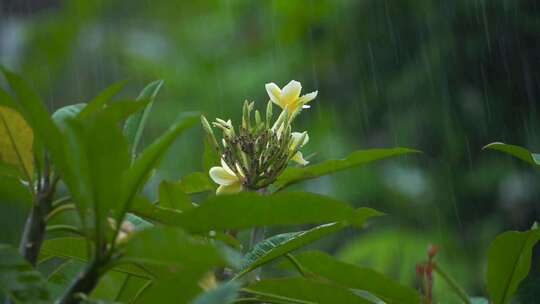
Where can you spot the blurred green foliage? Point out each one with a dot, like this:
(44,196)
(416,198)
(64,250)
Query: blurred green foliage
(445,77)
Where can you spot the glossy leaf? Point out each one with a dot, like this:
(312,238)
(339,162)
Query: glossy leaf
(19,280)
(210,155)
(98,157)
(516,151)
(66,113)
(293,175)
(196,182)
(170,246)
(152,212)
(173,287)
(16,142)
(221,212)
(96,104)
(172,195)
(305,291)
(134,126)
(37,116)
(509,262)
(131,287)
(16,198)
(149,159)
(281,244)
(355,277)
(74,248)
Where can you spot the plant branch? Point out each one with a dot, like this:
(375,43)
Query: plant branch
(34,229)
(85,282)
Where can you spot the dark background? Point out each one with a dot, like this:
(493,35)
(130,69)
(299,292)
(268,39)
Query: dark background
(445,77)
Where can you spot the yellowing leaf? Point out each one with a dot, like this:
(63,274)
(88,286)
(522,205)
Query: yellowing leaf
(16,141)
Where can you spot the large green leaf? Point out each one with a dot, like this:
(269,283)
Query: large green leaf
(509,262)
(173,287)
(60,278)
(96,104)
(516,151)
(131,287)
(171,246)
(16,142)
(281,244)
(196,182)
(305,291)
(172,195)
(179,262)
(19,280)
(355,277)
(246,210)
(99,158)
(134,126)
(74,248)
(293,175)
(152,212)
(15,201)
(148,160)
(37,116)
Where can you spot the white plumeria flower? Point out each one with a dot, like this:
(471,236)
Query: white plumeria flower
(298,141)
(228,180)
(289,97)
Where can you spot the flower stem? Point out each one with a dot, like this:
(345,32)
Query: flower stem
(452,284)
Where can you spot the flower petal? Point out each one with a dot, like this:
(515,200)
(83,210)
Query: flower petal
(308,97)
(229,189)
(274,92)
(299,158)
(291,92)
(222,177)
(227,168)
(297,136)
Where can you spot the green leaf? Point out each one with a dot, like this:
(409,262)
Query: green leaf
(138,222)
(172,195)
(134,126)
(148,160)
(15,201)
(171,246)
(509,262)
(355,277)
(295,208)
(281,244)
(61,277)
(131,287)
(196,182)
(16,142)
(19,280)
(293,175)
(96,104)
(210,155)
(516,151)
(37,117)
(66,113)
(304,291)
(147,210)
(74,248)
(173,287)
(98,159)
(109,286)
(224,293)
